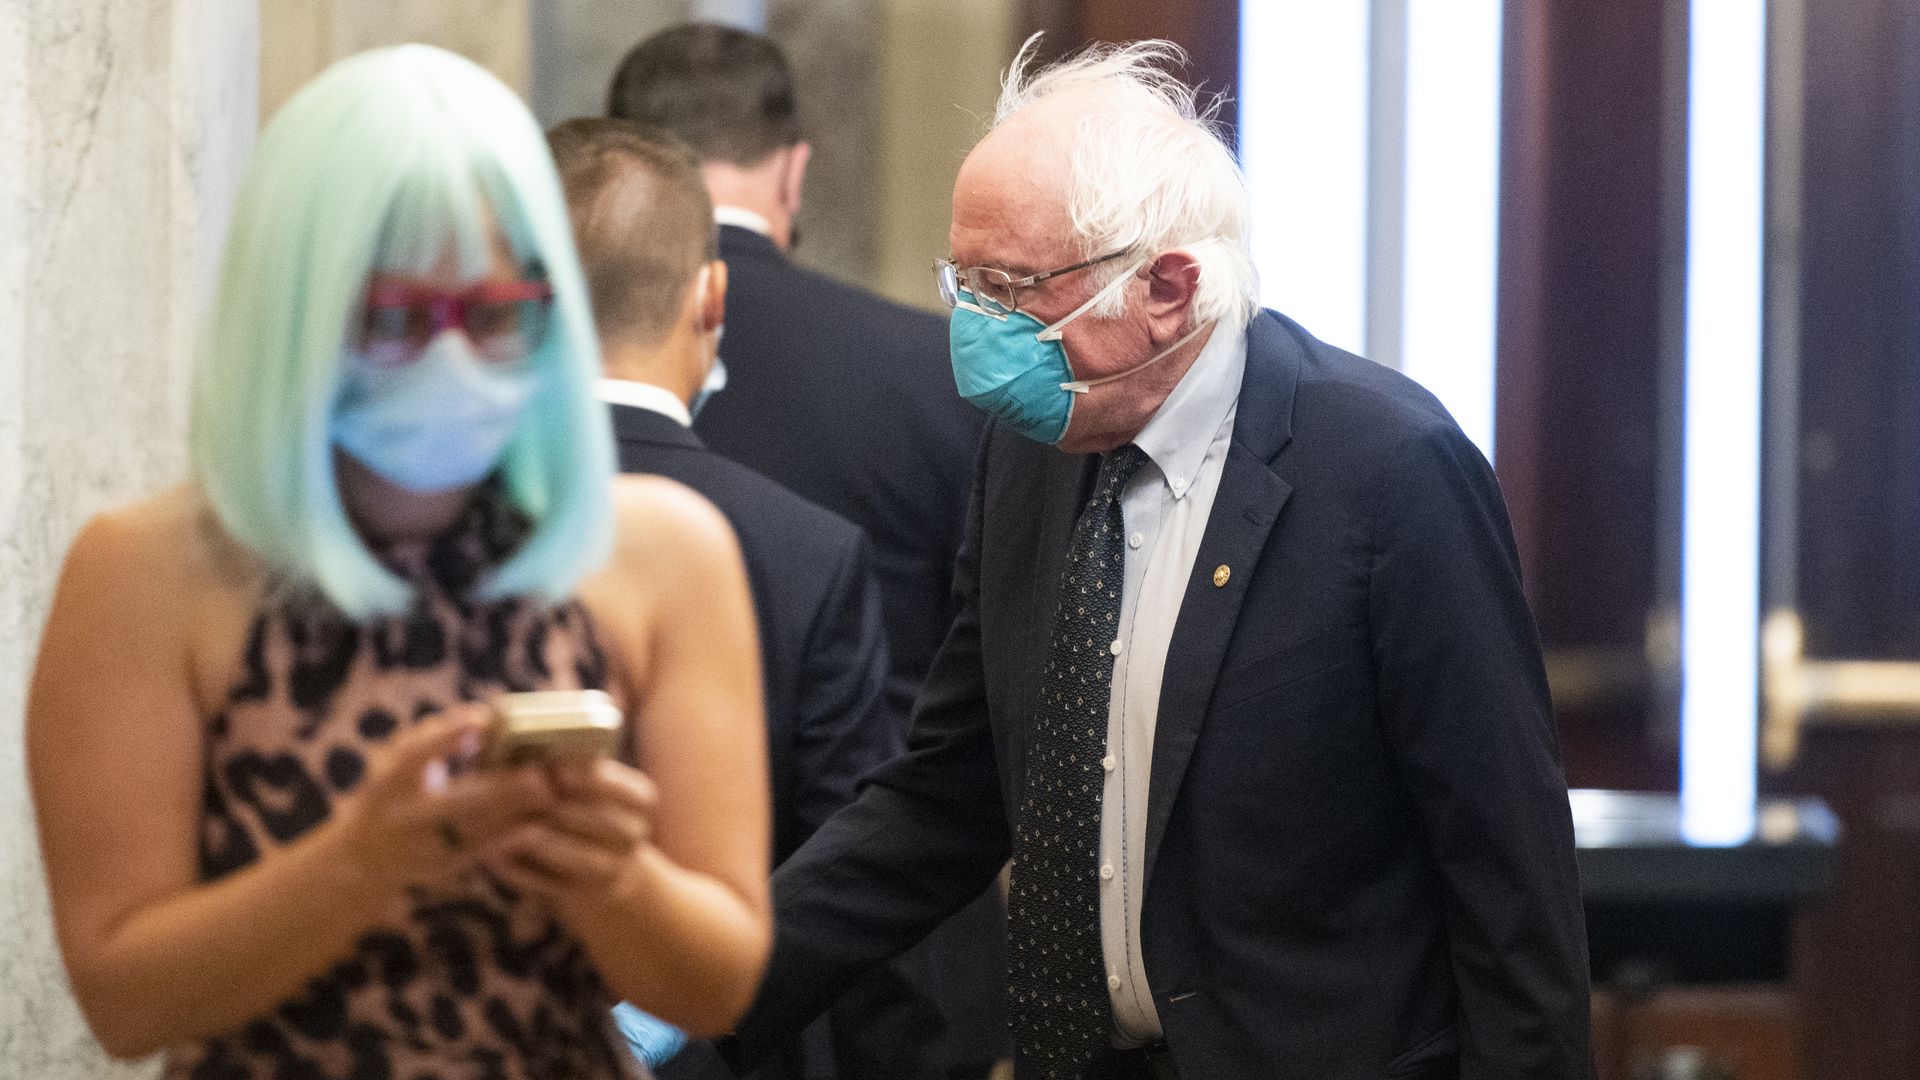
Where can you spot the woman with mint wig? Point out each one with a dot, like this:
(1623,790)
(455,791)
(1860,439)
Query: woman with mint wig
(253,723)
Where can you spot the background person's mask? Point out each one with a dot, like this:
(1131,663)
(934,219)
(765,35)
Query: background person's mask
(716,381)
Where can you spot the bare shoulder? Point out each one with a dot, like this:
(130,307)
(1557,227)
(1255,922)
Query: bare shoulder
(674,555)
(664,529)
(167,540)
(143,586)
(161,569)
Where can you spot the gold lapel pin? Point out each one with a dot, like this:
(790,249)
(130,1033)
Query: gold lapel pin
(1220,575)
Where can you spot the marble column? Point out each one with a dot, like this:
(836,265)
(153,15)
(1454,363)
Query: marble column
(123,128)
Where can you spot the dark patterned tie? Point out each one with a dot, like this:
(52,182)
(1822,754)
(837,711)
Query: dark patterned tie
(1057,996)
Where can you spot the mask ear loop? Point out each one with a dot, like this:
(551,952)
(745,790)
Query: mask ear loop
(1081,386)
(1052,333)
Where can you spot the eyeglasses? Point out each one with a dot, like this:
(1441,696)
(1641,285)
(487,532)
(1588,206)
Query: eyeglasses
(995,293)
(505,320)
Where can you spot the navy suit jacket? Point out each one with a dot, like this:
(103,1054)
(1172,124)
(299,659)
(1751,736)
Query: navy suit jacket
(1359,851)
(848,400)
(824,661)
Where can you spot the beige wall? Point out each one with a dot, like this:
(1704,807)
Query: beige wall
(940,76)
(578,43)
(301,37)
(892,94)
(900,90)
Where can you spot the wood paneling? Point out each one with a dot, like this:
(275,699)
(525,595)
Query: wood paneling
(1584,169)
(1860,345)
(1857,954)
(1753,1030)
(1859,519)
(1208,29)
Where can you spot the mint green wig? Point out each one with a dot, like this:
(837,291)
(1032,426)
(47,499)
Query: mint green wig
(387,161)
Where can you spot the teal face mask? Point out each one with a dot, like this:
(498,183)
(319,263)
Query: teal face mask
(1016,371)
(1007,372)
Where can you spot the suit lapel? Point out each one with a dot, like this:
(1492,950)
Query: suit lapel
(1248,503)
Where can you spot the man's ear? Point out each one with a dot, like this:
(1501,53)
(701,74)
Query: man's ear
(713,306)
(794,177)
(1173,280)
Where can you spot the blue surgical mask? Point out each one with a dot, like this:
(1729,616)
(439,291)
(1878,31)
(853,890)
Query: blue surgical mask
(440,422)
(1016,370)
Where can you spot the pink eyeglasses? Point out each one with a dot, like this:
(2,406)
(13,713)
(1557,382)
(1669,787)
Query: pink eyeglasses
(505,320)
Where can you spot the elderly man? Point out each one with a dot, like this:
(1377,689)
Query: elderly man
(1242,680)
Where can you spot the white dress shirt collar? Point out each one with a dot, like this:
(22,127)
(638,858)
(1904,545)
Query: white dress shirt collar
(1177,437)
(644,396)
(741,217)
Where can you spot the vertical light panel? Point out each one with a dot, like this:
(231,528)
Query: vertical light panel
(1303,143)
(1720,543)
(1452,203)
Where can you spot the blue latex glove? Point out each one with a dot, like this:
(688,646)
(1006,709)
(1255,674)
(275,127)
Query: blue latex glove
(654,1041)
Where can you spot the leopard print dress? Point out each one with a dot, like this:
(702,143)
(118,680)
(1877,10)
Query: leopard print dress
(466,982)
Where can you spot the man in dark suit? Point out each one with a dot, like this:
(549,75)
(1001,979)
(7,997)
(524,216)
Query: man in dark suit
(645,234)
(1243,679)
(841,396)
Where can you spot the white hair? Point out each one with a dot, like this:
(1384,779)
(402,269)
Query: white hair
(1150,170)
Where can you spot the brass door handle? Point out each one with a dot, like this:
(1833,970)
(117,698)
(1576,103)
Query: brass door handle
(1798,692)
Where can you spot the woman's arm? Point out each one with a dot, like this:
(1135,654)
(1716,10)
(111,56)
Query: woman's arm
(115,745)
(678,924)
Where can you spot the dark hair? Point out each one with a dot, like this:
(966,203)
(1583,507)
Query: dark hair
(726,91)
(641,218)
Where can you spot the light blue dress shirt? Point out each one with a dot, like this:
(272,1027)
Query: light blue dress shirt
(654,1041)
(1165,508)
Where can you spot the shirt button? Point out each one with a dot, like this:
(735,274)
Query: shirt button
(1115,647)
(1113,982)
(1136,540)
(1107,763)
(1106,872)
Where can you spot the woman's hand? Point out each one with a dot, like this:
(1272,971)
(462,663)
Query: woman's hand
(413,822)
(684,930)
(596,831)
